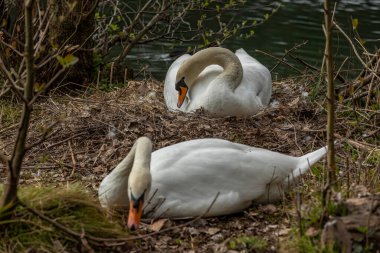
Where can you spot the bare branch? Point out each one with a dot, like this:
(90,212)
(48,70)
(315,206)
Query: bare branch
(354,49)
(46,87)
(151,23)
(6,72)
(11,47)
(330,94)
(9,197)
(46,135)
(278,59)
(6,90)
(12,82)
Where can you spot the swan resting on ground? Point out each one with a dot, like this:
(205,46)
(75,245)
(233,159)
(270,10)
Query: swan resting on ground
(219,81)
(182,180)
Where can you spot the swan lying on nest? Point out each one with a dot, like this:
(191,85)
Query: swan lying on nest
(182,180)
(221,82)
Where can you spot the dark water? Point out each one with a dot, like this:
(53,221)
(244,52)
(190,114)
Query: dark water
(296,21)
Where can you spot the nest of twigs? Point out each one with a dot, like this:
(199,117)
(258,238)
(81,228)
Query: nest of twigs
(91,133)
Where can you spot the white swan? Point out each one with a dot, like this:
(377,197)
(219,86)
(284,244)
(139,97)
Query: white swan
(221,82)
(182,180)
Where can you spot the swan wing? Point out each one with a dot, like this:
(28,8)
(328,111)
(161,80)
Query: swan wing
(256,78)
(187,177)
(170,93)
(199,92)
(253,92)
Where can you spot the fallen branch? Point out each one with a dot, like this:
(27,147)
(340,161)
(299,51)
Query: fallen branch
(65,140)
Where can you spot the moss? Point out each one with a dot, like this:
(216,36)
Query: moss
(71,206)
(251,243)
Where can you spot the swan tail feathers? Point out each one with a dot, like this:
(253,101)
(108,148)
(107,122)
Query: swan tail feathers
(308,160)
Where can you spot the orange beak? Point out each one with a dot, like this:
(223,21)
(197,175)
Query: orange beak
(181,96)
(135,214)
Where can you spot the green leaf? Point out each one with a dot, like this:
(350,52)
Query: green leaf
(266,16)
(72,5)
(122,35)
(341,98)
(114,27)
(205,4)
(68,60)
(355,23)
(38,87)
(199,23)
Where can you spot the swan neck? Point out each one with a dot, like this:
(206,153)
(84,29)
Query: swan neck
(142,154)
(233,70)
(140,179)
(138,157)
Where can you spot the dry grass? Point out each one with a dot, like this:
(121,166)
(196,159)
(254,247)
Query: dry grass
(71,206)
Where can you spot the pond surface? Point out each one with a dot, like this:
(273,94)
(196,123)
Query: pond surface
(296,21)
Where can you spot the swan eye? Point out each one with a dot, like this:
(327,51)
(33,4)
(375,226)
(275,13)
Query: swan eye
(137,200)
(180,84)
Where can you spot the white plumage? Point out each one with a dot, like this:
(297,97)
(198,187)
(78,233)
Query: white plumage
(223,83)
(186,177)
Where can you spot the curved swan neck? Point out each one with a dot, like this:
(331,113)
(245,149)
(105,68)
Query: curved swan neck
(138,157)
(139,179)
(143,151)
(233,70)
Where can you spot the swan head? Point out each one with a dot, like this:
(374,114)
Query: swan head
(139,183)
(186,76)
(182,89)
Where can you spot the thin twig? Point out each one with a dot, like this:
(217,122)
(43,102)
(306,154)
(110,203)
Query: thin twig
(11,47)
(340,78)
(58,165)
(72,159)
(98,240)
(170,228)
(8,128)
(46,135)
(288,52)
(58,225)
(354,49)
(371,85)
(278,59)
(65,140)
(51,81)
(12,82)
